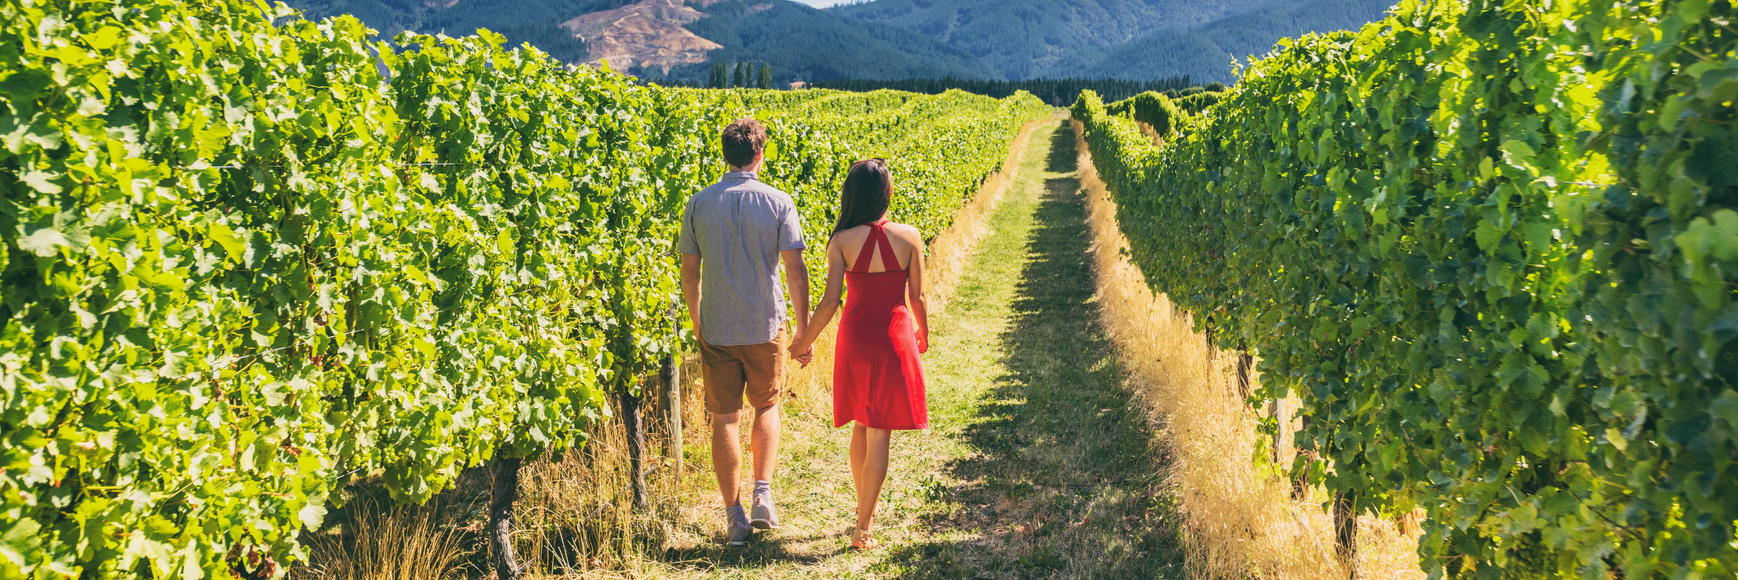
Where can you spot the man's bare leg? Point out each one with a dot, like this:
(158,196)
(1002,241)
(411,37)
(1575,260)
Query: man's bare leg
(765,441)
(763,514)
(727,456)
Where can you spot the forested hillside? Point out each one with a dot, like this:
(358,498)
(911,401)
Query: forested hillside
(1204,52)
(802,43)
(535,21)
(1041,38)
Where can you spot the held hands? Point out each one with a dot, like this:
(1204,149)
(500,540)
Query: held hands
(803,351)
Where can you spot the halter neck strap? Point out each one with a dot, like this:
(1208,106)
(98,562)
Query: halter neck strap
(877,239)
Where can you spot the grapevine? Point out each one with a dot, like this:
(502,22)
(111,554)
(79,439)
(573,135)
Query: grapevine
(248,258)
(1156,110)
(1492,248)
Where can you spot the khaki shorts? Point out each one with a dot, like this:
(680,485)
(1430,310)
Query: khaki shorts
(728,371)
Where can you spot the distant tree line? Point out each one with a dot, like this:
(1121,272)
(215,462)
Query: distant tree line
(1058,92)
(741,75)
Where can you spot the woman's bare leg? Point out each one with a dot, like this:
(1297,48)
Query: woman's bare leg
(874,472)
(858,448)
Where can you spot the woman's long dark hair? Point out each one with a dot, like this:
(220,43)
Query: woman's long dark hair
(868,191)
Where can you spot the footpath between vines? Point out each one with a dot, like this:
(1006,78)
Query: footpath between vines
(1038,462)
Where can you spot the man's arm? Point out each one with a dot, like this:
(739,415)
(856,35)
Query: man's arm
(797,280)
(691,289)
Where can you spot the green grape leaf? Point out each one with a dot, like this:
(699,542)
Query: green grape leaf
(44,242)
(40,181)
(19,544)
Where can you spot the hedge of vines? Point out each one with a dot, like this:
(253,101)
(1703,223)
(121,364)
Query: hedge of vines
(244,263)
(1492,247)
(1155,109)
(1195,103)
(936,145)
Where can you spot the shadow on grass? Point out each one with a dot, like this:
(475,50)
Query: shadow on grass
(1065,479)
(760,552)
(1062,159)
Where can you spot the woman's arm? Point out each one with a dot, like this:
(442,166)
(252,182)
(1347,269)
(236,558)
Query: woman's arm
(803,346)
(914,292)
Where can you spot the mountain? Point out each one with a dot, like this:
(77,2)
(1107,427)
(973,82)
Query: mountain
(676,40)
(535,21)
(1041,38)
(1204,52)
(648,34)
(809,44)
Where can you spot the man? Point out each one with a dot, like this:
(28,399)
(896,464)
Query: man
(734,234)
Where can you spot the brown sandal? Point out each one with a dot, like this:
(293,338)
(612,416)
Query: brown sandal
(862,541)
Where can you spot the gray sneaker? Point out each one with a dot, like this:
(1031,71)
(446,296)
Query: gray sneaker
(736,531)
(765,516)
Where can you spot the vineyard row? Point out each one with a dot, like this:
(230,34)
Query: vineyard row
(246,262)
(1492,247)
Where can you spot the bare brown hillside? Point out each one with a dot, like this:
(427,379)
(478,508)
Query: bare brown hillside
(648,33)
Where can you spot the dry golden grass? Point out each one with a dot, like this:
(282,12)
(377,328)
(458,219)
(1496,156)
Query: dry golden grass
(404,542)
(1150,132)
(1240,519)
(576,512)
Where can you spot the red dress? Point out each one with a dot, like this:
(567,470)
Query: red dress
(877,377)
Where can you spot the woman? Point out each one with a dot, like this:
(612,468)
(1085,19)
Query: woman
(877,377)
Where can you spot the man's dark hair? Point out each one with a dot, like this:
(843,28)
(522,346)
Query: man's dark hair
(743,140)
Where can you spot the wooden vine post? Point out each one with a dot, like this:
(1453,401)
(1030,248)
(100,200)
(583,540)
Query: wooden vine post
(670,376)
(1245,384)
(1276,409)
(1210,350)
(629,387)
(1244,362)
(633,418)
(1300,481)
(1346,531)
(504,493)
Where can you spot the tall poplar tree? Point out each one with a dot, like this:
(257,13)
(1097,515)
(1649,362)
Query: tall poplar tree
(741,74)
(718,78)
(765,76)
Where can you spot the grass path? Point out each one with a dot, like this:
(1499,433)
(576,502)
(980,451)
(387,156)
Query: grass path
(1038,463)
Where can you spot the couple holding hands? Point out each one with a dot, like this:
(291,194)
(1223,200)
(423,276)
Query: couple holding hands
(734,235)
